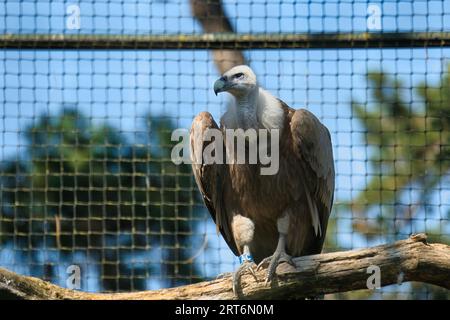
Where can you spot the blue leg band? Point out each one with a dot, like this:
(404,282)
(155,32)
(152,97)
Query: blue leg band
(245,257)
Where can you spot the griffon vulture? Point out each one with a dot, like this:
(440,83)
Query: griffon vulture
(266,218)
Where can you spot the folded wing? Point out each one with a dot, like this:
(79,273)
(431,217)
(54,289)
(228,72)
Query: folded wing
(210,178)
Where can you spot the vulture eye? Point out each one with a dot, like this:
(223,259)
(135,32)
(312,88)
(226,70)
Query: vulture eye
(238,75)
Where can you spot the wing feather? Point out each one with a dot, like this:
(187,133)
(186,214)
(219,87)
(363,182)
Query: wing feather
(312,145)
(210,178)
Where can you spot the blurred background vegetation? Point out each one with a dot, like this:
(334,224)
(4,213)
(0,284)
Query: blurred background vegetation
(80,187)
(410,158)
(81,191)
(411,151)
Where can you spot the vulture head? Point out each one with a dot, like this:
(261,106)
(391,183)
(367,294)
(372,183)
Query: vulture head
(238,81)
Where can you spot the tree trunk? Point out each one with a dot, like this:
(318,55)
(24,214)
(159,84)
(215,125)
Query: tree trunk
(212,17)
(406,260)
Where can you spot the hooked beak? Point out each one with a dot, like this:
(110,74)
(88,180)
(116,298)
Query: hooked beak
(221,85)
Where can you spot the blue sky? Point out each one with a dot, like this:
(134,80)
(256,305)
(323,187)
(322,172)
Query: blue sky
(173,16)
(121,87)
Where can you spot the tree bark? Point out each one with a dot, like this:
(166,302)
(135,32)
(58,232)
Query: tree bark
(405,260)
(211,15)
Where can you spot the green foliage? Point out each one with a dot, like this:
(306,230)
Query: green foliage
(83,188)
(410,151)
(411,147)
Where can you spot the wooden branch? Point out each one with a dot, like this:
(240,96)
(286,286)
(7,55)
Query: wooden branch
(211,15)
(406,260)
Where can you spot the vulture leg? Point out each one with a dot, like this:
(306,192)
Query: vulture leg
(247,264)
(243,231)
(280,254)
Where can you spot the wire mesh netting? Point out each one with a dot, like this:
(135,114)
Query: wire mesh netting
(86,176)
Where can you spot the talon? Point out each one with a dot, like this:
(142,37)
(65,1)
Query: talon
(245,266)
(265,261)
(253,272)
(274,261)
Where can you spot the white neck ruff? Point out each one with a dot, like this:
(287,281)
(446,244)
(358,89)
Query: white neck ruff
(258,110)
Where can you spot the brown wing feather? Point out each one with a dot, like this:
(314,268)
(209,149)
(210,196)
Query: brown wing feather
(312,145)
(210,178)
